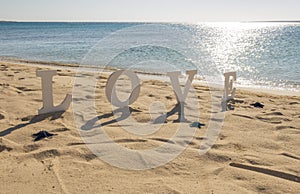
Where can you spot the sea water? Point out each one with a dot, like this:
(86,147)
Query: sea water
(265,55)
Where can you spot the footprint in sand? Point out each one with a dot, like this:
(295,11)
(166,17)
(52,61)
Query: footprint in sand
(217,157)
(3,68)
(2,116)
(76,143)
(46,154)
(5,85)
(281,127)
(24,89)
(201,138)
(63,129)
(162,140)
(244,116)
(293,103)
(3,147)
(31,147)
(274,113)
(89,157)
(129,140)
(272,117)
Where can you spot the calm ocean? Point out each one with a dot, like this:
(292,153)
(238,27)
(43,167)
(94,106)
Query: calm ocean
(265,55)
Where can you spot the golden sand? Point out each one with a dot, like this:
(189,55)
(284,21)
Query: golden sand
(257,151)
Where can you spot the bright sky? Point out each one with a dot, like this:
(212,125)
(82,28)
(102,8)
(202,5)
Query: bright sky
(149,10)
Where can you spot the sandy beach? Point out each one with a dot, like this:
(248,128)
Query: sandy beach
(257,150)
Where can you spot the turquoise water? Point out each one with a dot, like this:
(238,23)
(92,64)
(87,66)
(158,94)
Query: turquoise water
(264,55)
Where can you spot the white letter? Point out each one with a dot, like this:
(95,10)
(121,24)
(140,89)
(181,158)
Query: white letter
(181,96)
(47,93)
(176,86)
(111,91)
(228,88)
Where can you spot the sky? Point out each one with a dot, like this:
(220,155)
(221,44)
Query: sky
(150,10)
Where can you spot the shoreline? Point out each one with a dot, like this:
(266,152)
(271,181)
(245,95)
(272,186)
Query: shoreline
(144,75)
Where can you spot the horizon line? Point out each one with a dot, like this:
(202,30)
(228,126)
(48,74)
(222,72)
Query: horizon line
(134,21)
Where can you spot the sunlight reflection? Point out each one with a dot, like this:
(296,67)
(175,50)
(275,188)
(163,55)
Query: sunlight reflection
(248,48)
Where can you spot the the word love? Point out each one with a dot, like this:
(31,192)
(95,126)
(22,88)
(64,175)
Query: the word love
(111,93)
